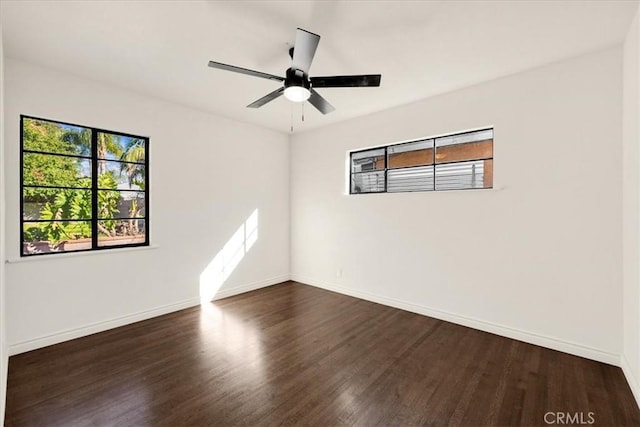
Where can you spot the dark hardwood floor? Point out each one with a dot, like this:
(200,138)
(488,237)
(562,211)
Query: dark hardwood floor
(294,354)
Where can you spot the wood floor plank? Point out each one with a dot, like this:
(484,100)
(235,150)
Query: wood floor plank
(296,355)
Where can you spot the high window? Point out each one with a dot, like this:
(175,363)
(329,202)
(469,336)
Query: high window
(82,188)
(453,162)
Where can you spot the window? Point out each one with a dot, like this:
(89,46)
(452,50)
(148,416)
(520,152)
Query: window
(82,188)
(454,162)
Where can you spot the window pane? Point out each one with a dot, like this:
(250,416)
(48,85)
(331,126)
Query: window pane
(56,236)
(410,179)
(117,147)
(369,160)
(464,175)
(121,232)
(56,171)
(369,182)
(53,203)
(467,146)
(121,204)
(50,137)
(417,153)
(466,151)
(121,176)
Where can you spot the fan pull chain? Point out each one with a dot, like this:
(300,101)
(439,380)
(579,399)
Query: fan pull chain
(292,118)
(303,111)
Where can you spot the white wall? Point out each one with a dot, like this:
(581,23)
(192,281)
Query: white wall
(538,258)
(4,358)
(631,211)
(208,175)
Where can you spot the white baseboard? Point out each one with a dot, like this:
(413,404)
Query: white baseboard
(532,338)
(69,334)
(236,290)
(494,328)
(634,384)
(4,366)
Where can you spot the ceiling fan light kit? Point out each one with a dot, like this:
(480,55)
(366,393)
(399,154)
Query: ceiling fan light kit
(297,93)
(297,85)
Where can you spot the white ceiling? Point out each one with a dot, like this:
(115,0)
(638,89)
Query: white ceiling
(421,49)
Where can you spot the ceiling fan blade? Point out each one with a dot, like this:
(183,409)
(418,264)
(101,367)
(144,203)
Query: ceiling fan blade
(304,49)
(364,80)
(267,98)
(320,103)
(246,71)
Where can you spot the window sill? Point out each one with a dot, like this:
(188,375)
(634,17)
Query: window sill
(457,190)
(79,254)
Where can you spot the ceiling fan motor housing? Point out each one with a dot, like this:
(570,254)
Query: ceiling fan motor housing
(296,78)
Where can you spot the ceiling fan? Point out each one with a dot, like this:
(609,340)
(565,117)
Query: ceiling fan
(298,86)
